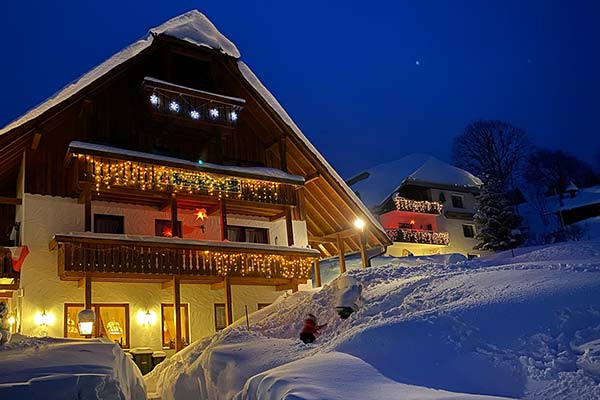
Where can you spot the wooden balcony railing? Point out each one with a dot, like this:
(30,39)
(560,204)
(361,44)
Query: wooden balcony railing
(427,207)
(6,265)
(86,252)
(418,236)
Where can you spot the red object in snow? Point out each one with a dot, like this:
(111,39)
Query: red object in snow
(310,326)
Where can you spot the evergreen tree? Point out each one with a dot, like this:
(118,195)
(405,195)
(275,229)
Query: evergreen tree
(498,225)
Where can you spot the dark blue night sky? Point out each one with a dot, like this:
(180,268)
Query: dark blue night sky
(368,82)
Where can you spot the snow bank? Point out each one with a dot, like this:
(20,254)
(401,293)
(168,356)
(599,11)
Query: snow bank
(35,368)
(521,327)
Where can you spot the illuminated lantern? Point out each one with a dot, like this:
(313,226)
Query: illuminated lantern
(412,221)
(85,320)
(214,113)
(174,106)
(359,224)
(194,114)
(154,99)
(201,215)
(167,232)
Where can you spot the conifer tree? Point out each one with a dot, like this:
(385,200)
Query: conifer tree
(497,223)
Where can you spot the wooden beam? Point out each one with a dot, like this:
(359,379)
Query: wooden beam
(223,219)
(174,219)
(177,313)
(340,246)
(217,285)
(166,285)
(312,177)
(282,154)
(317,273)
(37,136)
(291,285)
(87,207)
(363,251)
(289,226)
(278,216)
(10,286)
(300,209)
(228,305)
(11,201)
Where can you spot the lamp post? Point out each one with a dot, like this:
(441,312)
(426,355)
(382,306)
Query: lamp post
(359,224)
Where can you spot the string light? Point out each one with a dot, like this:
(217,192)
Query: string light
(428,207)
(214,113)
(233,116)
(106,173)
(174,106)
(154,99)
(417,236)
(194,114)
(191,261)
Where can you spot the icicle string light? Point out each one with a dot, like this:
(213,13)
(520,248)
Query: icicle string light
(418,236)
(153,260)
(428,207)
(107,173)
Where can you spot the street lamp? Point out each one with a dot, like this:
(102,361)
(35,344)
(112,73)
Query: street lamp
(85,320)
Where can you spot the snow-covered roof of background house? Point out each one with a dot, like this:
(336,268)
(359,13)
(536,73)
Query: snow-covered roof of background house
(193,27)
(584,197)
(385,179)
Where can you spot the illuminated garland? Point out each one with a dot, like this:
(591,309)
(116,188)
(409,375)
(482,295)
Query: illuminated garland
(417,236)
(105,173)
(428,207)
(188,262)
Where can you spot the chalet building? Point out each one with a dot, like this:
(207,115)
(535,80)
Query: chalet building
(167,190)
(425,205)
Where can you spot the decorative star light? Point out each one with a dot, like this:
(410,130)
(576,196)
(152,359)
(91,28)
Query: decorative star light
(214,113)
(233,115)
(194,114)
(154,99)
(174,106)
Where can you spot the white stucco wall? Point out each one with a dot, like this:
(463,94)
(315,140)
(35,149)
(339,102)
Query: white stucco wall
(44,291)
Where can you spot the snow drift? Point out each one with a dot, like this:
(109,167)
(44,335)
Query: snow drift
(516,327)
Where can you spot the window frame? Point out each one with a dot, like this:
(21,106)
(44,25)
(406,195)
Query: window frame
(186,308)
(219,305)
(245,229)
(96,307)
(472,230)
(120,218)
(462,200)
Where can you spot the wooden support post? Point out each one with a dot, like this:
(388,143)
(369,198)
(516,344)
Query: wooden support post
(341,250)
(88,294)
(289,226)
(301,208)
(363,251)
(174,219)
(317,273)
(177,313)
(283,154)
(223,220)
(228,305)
(87,207)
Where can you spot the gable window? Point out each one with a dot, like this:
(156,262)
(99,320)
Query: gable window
(457,201)
(162,227)
(468,231)
(104,223)
(168,325)
(247,234)
(220,319)
(112,322)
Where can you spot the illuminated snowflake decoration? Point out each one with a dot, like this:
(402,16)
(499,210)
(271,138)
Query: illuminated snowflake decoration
(174,106)
(154,99)
(233,116)
(214,113)
(194,114)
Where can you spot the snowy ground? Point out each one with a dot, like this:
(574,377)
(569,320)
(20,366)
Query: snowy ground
(50,368)
(524,327)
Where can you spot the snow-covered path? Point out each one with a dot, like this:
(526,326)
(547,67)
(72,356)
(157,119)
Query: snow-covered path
(522,327)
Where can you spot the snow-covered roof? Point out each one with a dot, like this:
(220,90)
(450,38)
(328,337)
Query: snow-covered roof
(584,197)
(196,28)
(192,27)
(259,173)
(385,179)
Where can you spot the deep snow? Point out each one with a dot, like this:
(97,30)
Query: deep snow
(520,327)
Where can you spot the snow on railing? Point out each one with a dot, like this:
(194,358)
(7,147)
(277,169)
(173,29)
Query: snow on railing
(428,207)
(418,236)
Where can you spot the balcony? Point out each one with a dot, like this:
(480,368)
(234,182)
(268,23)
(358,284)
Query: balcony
(426,207)
(123,173)
(146,257)
(418,236)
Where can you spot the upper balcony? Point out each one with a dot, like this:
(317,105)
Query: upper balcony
(8,273)
(426,207)
(418,236)
(121,173)
(111,256)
